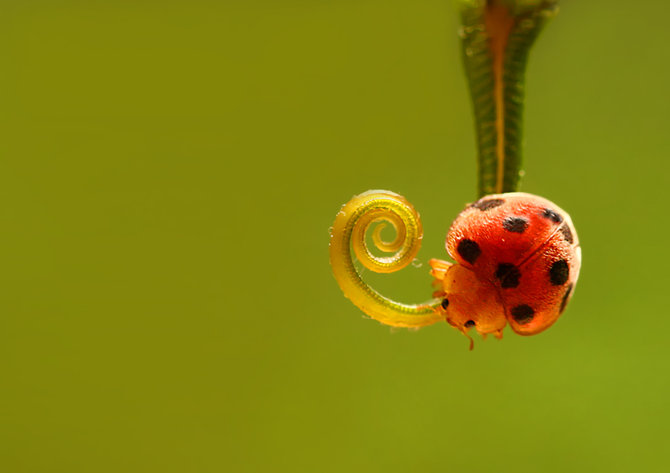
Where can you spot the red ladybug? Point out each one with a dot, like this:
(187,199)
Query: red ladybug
(517,260)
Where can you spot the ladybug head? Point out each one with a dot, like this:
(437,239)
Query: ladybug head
(470,304)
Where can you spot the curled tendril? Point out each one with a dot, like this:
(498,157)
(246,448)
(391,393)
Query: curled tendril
(349,230)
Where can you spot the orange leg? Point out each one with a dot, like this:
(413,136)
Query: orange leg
(439,268)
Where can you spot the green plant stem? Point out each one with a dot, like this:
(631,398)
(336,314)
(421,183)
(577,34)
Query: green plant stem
(496,38)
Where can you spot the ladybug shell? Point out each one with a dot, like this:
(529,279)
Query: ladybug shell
(525,248)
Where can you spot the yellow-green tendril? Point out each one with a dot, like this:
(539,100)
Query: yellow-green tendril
(349,229)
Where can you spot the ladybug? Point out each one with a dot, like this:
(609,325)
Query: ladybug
(517,261)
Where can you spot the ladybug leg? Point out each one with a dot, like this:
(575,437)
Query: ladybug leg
(472,342)
(436,310)
(439,288)
(439,268)
(498,334)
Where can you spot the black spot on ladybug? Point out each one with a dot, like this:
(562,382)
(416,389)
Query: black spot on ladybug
(469,323)
(469,250)
(445,303)
(566,296)
(515,224)
(523,314)
(508,275)
(487,204)
(567,233)
(552,215)
(559,272)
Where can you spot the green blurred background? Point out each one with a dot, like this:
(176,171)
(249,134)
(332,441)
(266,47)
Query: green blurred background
(169,173)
